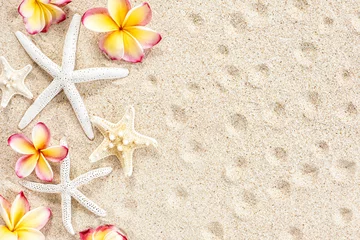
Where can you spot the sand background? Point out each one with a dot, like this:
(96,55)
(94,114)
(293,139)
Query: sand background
(255,105)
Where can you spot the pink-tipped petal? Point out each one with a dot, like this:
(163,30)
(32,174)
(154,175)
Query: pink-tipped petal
(41,136)
(145,36)
(102,231)
(43,170)
(48,19)
(26,8)
(99,20)
(133,52)
(36,22)
(30,234)
(21,144)
(138,16)
(60,3)
(55,154)
(19,208)
(26,165)
(5,208)
(112,45)
(6,234)
(115,235)
(58,15)
(35,219)
(87,234)
(118,10)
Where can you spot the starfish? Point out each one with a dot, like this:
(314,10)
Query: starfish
(12,82)
(65,77)
(120,139)
(68,189)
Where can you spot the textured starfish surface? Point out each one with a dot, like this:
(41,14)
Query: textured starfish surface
(121,140)
(65,77)
(12,82)
(68,189)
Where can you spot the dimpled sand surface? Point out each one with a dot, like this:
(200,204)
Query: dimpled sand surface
(255,105)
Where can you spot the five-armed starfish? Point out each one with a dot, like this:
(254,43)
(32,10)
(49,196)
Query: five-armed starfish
(65,77)
(121,140)
(12,82)
(68,189)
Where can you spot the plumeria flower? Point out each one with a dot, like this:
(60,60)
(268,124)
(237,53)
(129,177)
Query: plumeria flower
(36,153)
(20,222)
(127,36)
(106,232)
(38,15)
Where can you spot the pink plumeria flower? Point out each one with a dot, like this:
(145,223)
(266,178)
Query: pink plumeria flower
(106,232)
(127,36)
(20,222)
(36,153)
(38,15)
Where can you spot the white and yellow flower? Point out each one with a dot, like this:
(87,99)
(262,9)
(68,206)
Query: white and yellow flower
(106,232)
(127,36)
(20,222)
(39,15)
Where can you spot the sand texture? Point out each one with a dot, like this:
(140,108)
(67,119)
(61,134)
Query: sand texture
(255,105)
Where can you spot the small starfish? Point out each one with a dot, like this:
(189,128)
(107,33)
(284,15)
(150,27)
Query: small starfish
(68,189)
(12,82)
(120,139)
(65,77)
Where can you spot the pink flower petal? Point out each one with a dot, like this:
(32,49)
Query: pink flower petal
(36,22)
(35,219)
(58,15)
(138,16)
(55,154)
(40,136)
(26,165)
(26,8)
(115,235)
(5,208)
(102,231)
(60,3)
(133,52)
(48,19)
(112,44)
(30,234)
(21,144)
(118,10)
(43,170)
(87,234)
(19,208)
(145,36)
(6,234)
(99,20)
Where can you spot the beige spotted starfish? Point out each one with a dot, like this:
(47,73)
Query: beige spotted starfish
(12,82)
(121,140)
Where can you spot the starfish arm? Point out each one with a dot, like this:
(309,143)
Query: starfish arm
(66,212)
(80,110)
(65,165)
(69,52)
(6,97)
(89,176)
(126,159)
(44,98)
(43,61)
(39,187)
(6,65)
(87,203)
(142,140)
(102,125)
(93,74)
(101,152)
(22,87)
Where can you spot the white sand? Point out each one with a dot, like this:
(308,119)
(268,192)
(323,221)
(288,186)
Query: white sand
(254,105)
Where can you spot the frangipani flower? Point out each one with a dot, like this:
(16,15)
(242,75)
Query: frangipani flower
(127,36)
(106,232)
(38,15)
(36,153)
(20,222)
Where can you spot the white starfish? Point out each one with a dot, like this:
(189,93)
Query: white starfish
(121,140)
(12,82)
(65,77)
(68,189)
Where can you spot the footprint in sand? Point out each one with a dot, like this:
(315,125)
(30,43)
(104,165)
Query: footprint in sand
(343,170)
(235,171)
(213,231)
(281,189)
(293,233)
(343,216)
(306,175)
